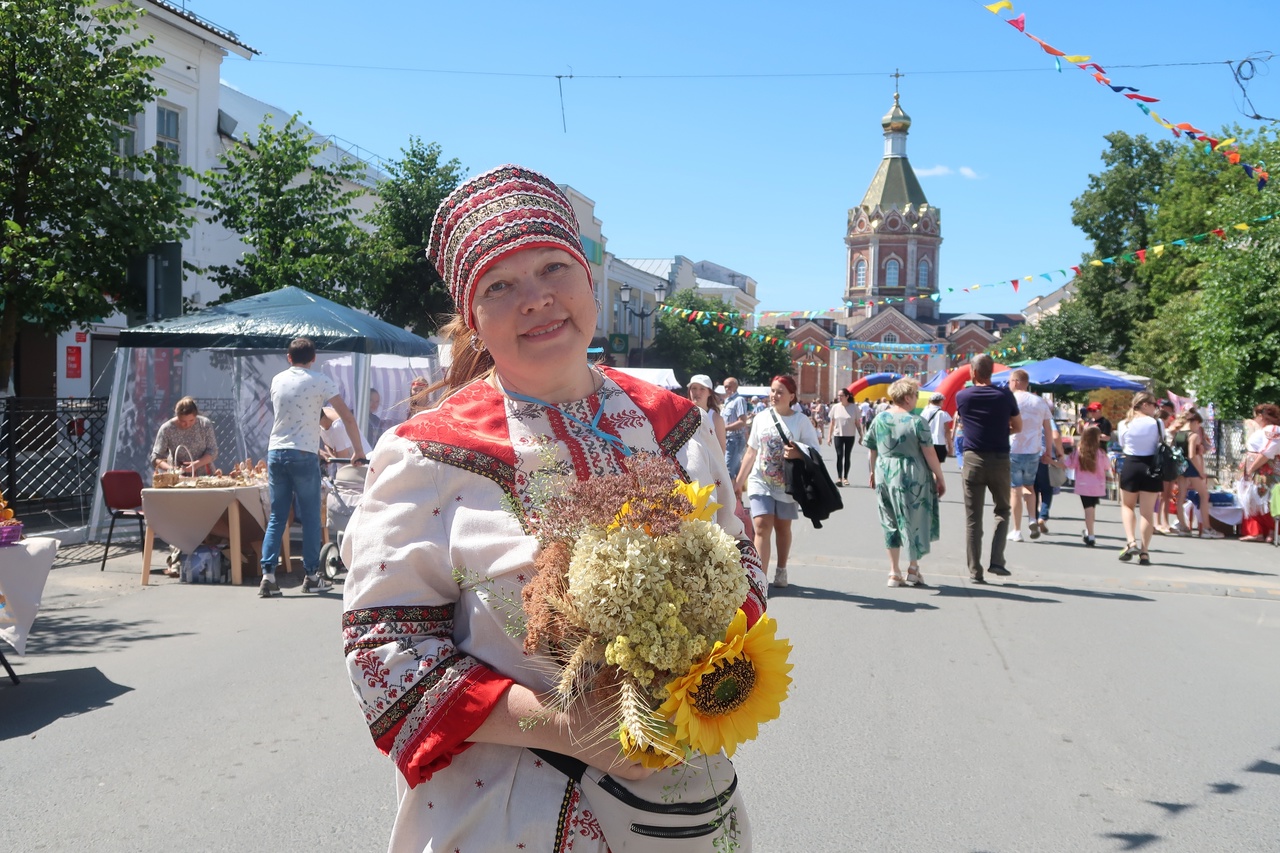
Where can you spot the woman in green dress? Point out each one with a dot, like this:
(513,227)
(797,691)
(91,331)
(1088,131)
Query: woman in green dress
(907,477)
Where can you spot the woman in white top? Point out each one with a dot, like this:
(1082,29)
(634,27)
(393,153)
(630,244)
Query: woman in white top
(703,394)
(846,427)
(763,464)
(1140,433)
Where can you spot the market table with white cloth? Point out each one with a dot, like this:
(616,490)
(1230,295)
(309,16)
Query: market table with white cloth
(185,517)
(24,568)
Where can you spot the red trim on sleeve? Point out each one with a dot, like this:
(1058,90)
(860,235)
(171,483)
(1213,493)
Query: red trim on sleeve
(753,608)
(445,734)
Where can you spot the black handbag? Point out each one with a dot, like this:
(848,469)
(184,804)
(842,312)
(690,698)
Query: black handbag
(1166,463)
(808,481)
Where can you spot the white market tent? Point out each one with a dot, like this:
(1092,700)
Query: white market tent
(226,356)
(663,377)
(1120,374)
(754,391)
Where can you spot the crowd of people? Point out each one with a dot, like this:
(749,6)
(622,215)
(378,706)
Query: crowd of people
(1010,445)
(444,684)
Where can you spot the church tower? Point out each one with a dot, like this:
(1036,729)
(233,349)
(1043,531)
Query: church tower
(894,235)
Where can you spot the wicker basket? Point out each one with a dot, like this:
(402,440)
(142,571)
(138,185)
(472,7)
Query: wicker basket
(165,479)
(10,534)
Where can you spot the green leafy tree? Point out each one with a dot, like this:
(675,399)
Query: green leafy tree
(294,210)
(1165,346)
(403,287)
(76,201)
(765,360)
(688,348)
(1118,213)
(1236,325)
(1073,332)
(697,347)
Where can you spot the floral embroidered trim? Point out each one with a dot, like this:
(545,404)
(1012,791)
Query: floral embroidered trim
(375,627)
(680,435)
(407,702)
(564,840)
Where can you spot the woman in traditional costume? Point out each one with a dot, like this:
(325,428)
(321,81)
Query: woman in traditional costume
(441,544)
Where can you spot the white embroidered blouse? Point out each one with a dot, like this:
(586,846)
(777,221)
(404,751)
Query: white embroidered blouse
(437,560)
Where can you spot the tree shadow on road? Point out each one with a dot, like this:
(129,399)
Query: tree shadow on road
(1138,840)
(1084,593)
(91,552)
(46,697)
(814,593)
(68,632)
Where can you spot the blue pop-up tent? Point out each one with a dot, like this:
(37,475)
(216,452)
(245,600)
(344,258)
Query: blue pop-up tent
(1057,375)
(934,381)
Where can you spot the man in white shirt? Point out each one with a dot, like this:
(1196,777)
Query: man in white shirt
(298,395)
(939,425)
(1027,449)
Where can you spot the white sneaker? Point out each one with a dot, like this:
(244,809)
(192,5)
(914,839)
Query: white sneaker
(780,577)
(1015,536)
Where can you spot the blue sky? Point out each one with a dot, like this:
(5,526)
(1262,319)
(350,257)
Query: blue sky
(758,172)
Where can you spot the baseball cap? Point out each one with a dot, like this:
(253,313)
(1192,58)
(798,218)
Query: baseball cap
(938,397)
(702,379)
(1094,407)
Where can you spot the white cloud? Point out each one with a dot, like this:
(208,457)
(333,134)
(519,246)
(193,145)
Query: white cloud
(941,171)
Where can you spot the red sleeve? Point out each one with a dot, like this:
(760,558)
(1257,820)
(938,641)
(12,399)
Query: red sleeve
(433,747)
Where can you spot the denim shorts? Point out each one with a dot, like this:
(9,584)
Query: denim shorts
(1023,468)
(767,505)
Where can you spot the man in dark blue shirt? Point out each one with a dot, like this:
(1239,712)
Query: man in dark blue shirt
(988,415)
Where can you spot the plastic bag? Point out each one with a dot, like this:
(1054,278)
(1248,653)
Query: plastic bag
(204,565)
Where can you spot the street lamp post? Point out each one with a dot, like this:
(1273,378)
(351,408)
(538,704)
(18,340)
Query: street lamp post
(660,296)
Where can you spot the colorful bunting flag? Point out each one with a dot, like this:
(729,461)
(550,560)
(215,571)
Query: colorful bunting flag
(1232,157)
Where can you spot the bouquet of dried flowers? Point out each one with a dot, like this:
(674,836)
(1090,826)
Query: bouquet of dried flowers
(637,591)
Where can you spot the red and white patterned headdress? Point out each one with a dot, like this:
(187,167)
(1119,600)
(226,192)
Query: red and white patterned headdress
(488,217)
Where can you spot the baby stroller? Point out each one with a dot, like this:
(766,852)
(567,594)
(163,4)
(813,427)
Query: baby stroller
(345,488)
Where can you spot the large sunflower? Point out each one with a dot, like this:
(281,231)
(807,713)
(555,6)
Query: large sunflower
(721,701)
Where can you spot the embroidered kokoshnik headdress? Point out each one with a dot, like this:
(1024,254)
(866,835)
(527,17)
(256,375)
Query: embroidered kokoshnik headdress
(488,217)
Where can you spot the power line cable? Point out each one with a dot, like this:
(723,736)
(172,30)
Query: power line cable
(779,75)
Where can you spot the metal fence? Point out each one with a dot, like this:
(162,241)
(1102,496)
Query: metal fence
(1229,441)
(49,451)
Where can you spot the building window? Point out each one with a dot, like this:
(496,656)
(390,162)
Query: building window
(126,144)
(617,317)
(860,274)
(923,276)
(891,274)
(168,132)
(889,338)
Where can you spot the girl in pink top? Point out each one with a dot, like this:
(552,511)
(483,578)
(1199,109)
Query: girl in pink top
(1092,467)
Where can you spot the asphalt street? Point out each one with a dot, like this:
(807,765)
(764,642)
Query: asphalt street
(1080,704)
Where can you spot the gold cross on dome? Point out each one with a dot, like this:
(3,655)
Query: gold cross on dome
(895,75)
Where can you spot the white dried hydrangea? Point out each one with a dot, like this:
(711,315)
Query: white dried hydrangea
(663,602)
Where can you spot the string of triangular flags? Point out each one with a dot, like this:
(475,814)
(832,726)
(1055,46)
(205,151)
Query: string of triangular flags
(899,352)
(1138,256)
(1225,147)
